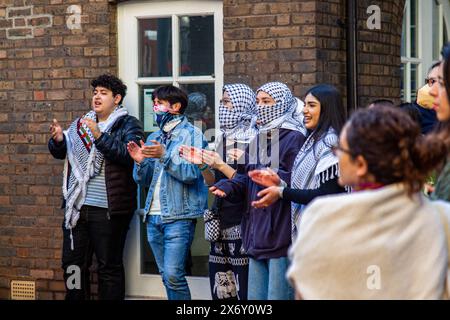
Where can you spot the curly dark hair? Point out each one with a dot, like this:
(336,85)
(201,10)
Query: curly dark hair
(393,146)
(112,83)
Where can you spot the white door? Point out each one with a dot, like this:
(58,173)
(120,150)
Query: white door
(179,43)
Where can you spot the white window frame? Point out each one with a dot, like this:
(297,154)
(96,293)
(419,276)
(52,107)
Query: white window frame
(150,285)
(128,41)
(425,38)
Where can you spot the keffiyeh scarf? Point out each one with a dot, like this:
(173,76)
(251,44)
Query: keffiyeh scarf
(314,165)
(85,162)
(285,114)
(239,123)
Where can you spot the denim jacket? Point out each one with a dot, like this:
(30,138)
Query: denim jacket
(183,193)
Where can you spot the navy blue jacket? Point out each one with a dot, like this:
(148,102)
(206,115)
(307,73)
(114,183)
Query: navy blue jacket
(266,232)
(428,119)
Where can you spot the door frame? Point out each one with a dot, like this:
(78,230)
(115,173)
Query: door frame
(139,285)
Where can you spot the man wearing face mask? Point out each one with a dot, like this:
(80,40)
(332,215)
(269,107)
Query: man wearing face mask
(177,195)
(425,101)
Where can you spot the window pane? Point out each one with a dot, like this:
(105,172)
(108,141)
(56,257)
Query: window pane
(402,81)
(200,110)
(435,31)
(146,108)
(403,46)
(445,38)
(197,45)
(155,47)
(414,82)
(197,262)
(148,262)
(201,106)
(413,28)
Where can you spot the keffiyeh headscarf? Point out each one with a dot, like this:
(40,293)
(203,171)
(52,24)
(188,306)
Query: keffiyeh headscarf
(85,162)
(239,122)
(284,114)
(314,165)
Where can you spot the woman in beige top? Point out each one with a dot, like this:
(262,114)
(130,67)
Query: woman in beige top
(386,240)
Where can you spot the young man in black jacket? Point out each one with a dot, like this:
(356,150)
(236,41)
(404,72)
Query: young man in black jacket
(98,188)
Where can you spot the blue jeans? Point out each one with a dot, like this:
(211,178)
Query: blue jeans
(268,280)
(170,243)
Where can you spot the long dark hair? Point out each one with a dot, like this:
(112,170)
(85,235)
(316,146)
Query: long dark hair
(332,111)
(393,146)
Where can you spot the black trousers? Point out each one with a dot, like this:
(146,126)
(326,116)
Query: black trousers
(95,232)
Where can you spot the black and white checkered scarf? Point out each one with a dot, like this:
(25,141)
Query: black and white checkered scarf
(314,165)
(284,114)
(239,123)
(85,162)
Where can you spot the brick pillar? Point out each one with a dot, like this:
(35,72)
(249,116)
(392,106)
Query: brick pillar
(379,52)
(46,65)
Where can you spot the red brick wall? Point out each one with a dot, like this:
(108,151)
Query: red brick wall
(41,78)
(379,52)
(331,35)
(270,41)
(302,43)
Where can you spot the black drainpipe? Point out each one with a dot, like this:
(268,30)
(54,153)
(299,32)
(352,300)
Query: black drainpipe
(352,56)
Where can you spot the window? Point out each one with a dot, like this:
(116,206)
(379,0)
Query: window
(410,50)
(178,45)
(178,50)
(423,34)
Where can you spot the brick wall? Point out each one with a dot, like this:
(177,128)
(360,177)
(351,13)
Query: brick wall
(379,52)
(302,43)
(270,41)
(45,70)
(331,35)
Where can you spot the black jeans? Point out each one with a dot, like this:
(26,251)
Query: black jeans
(96,232)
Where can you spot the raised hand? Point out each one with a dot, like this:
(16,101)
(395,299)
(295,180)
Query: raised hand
(265,177)
(191,154)
(212,159)
(156,150)
(135,151)
(93,126)
(217,192)
(56,131)
(268,196)
(234,154)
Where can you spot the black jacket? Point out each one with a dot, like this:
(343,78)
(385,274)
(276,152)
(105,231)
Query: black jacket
(120,186)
